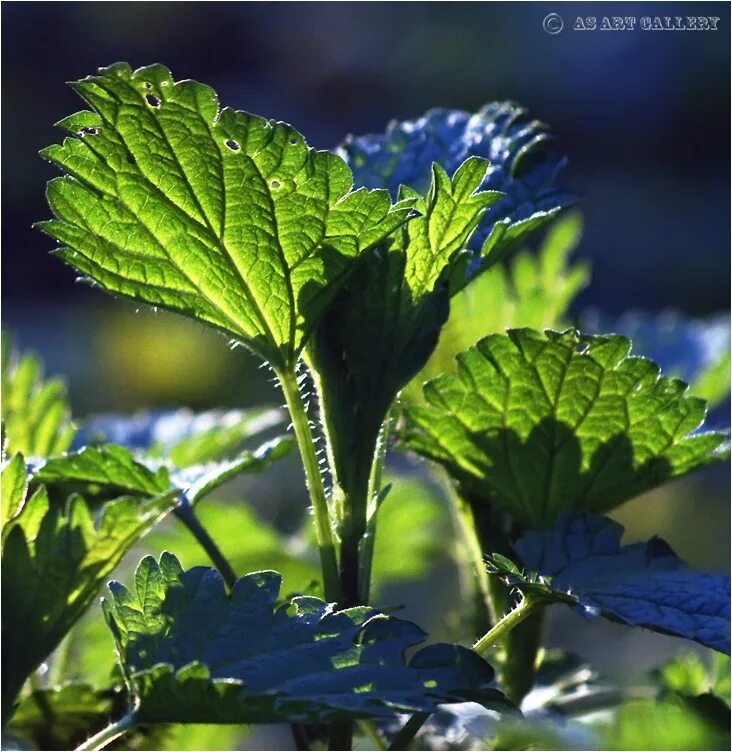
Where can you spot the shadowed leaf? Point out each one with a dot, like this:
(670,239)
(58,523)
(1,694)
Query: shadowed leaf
(194,654)
(537,424)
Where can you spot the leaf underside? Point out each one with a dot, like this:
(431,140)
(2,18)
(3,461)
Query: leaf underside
(217,214)
(53,563)
(194,654)
(581,562)
(540,423)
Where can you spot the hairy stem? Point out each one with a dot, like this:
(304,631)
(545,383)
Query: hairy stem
(306,445)
(511,620)
(184,513)
(369,538)
(109,734)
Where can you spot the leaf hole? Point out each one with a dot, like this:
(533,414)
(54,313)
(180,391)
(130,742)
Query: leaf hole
(293,140)
(152,100)
(231,144)
(88,131)
(147,84)
(274,184)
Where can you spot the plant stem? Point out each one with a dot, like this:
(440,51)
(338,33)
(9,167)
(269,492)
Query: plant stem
(408,731)
(109,734)
(526,607)
(473,555)
(184,513)
(306,445)
(369,539)
(341,736)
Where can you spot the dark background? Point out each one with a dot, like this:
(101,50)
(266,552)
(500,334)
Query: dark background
(644,117)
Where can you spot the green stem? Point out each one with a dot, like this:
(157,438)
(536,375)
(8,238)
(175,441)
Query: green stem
(408,731)
(513,618)
(473,554)
(374,499)
(185,514)
(306,445)
(109,734)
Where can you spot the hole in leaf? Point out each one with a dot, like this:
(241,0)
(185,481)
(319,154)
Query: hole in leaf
(293,140)
(233,145)
(88,131)
(152,100)
(147,84)
(275,184)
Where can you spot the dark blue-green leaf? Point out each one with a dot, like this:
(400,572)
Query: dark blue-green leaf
(193,653)
(581,562)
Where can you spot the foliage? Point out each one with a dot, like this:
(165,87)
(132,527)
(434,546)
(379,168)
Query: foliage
(581,562)
(355,276)
(53,562)
(542,423)
(139,215)
(180,642)
(35,412)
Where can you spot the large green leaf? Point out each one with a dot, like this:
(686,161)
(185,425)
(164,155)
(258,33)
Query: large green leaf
(217,214)
(541,423)
(35,413)
(53,563)
(192,653)
(383,326)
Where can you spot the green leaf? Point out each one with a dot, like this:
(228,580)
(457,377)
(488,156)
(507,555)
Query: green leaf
(14,487)
(581,562)
(533,290)
(53,562)
(35,413)
(537,424)
(108,470)
(194,654)
(383,326)
(217,214)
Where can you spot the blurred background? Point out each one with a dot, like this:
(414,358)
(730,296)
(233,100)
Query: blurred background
(643,116)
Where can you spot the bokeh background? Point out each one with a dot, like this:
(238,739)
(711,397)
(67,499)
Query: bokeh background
(643,116)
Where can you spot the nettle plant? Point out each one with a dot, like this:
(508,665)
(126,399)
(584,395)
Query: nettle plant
(340,270)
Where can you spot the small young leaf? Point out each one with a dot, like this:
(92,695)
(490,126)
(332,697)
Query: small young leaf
(195,654)
(109,470)
(581,562)
(542,423)
(14,487)
(523,165)
(53,562)
(35,413)
(217,214)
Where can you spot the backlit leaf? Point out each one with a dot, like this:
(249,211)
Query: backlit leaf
(217,214)
(537,424)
